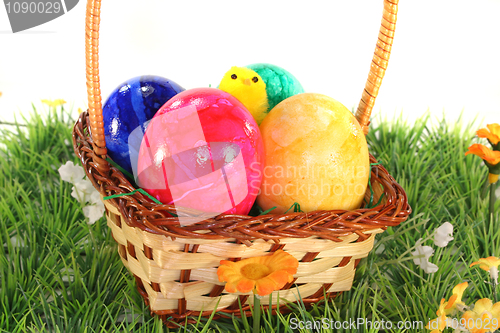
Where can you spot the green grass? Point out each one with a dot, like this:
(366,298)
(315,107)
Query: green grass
(59,274)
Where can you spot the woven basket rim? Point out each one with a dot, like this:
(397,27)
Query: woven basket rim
(142,213)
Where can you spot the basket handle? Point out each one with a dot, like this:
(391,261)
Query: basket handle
(377,70)
(92,21)
(379,63)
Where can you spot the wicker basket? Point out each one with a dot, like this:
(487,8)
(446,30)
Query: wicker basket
(175,267)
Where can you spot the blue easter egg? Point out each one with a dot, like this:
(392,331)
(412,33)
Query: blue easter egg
(130,107)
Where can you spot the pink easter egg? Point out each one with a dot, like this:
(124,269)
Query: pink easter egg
(203,151)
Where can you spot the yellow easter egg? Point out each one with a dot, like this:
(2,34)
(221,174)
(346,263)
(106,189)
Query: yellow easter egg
(316,156)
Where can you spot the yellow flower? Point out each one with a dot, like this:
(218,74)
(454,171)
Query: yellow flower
(439,324)
(54,103)
(442,306)
(492,178)
(482,318)
(446,308)
(492,133)
(456,298)
(262,275)
(490,156)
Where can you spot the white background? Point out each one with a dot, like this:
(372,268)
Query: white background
(445,59)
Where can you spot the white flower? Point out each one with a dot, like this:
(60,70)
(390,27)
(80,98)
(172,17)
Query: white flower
(71,173)
(96,209)
(426,252)
(442,235)
(83,190)
(494,274)
(95,198)
(94,212)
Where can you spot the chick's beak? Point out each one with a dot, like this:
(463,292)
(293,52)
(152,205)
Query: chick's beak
(247,82)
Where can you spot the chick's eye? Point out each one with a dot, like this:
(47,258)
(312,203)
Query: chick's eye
(255,79)
(234,77)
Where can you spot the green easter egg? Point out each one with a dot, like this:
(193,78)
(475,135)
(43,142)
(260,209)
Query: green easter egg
(280,84)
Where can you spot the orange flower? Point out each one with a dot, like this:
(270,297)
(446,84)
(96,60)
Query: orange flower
(456,298)
(447,307)
(487,263)
(492,133)
(439,324)
(262,275)
(482,318)
(490,156)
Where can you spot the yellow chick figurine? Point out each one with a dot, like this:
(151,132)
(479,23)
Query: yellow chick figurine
(249,88)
